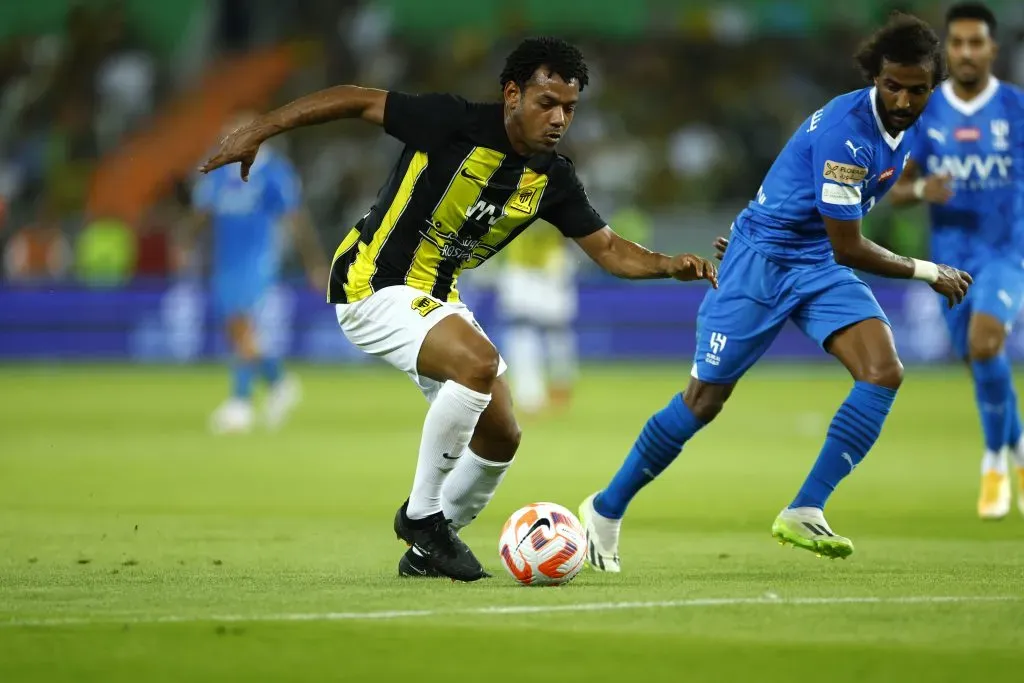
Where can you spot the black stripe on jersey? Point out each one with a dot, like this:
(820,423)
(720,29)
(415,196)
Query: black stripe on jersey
(480,217)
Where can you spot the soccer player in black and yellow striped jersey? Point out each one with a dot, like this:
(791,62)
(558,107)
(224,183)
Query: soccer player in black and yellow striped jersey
(470,179)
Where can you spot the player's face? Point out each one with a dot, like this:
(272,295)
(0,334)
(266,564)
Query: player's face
(970,51)
(542,112)
(904,91)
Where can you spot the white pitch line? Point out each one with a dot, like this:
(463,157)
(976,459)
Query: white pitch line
(499,610)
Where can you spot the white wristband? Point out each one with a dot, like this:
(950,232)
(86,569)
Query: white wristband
(925,270)
(919,188)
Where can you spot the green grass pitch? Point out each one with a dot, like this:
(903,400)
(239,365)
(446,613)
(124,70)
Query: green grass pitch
(134,546)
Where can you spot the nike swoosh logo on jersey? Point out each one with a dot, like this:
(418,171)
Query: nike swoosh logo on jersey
(449,456)
(466,174)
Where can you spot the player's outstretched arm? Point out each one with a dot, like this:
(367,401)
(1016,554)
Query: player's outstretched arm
(912,188)
(339,102)
(629,260)
(854,250)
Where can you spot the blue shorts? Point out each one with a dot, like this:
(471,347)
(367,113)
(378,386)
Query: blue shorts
(739,321)
(998,291)
(233,297)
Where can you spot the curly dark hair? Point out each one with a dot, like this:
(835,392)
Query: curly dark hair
(905,39)
(559,56)
(972,10)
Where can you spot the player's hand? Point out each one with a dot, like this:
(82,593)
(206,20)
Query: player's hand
(239,146)
(689,267)
(952,284)
(938,188)
(721,244)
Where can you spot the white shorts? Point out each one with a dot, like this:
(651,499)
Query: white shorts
(534,295)
(393,322)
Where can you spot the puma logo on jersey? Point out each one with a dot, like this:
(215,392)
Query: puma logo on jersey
(854,149)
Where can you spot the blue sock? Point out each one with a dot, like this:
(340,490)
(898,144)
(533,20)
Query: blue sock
(993,385)
(853,432)
(1015,427)
(242,377)
(272,370)
(657,446)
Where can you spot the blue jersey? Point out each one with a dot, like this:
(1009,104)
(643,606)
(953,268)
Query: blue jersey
(246,214)
(838,164)
(978,143)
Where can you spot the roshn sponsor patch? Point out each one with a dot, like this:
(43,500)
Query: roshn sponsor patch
(843,195)
(847,174)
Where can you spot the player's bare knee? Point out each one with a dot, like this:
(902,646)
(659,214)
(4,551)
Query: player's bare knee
(985,338)
(476,366)
(706,401)
(887,373)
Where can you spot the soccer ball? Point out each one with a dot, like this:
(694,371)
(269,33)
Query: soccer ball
(542,544)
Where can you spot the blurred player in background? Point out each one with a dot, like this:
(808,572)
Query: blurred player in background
(537,304)
(791,258)
(967,164)
(251,223)
(471,178)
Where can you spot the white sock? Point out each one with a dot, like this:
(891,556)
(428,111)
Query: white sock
(994,461)
(470,487)
(1018,454)
(525,353)
(449,426)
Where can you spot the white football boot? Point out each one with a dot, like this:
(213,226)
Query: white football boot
(602,538)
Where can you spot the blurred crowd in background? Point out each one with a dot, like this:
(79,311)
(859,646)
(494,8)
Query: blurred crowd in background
(688,105)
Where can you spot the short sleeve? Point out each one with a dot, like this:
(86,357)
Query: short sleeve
(840,161)
(422,121)
(204,192)
(572,214)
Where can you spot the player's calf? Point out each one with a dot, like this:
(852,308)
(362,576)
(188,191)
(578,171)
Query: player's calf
(993,391)
(867,350)
(459,355)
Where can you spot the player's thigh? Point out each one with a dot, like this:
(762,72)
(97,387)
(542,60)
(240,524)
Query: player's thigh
(396,322)
(841,314)
(737,322)
(995,301)
(497,433)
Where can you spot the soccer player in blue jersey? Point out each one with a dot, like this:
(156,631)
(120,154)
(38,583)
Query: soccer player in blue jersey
(791,258)
(967,164)
(247,220)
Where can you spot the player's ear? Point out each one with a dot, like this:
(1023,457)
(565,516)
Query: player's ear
(513,96)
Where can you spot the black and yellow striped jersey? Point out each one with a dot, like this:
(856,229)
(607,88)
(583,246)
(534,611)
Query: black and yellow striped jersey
(458,194)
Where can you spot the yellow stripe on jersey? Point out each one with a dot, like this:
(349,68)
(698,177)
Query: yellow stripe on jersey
(350,240)
(464,190)
(521,207)
(357,284)
(346,244)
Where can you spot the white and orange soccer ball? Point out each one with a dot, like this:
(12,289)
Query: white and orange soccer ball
(542,544)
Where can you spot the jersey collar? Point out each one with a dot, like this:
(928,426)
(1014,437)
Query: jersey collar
(970,107)
(893,142)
